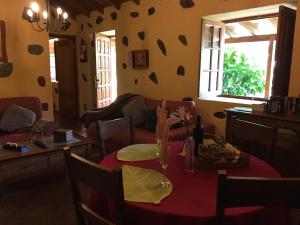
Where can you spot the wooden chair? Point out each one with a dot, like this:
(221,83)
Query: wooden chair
(255,191)
(254,138)
(109,128)
(108,183)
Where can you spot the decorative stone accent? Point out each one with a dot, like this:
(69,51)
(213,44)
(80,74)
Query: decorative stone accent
(153,77)
(162,46)
(141,35)
(134,14)
(125,41)
(89,25)
(187,4)
(183,40)
(41,81)
(35,49)
(5,69)
(84,77)
(151,11)
(136,81)
(220,115)
(56,90)
(114,15)
(99,19)
(180,71)
(124,65)
(45,106)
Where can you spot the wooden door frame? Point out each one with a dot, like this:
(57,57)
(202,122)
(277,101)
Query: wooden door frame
(74,41)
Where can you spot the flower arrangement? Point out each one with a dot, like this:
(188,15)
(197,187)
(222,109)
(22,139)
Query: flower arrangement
(181,116)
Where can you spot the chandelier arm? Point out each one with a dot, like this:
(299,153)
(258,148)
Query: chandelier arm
(35,29)
(41,28)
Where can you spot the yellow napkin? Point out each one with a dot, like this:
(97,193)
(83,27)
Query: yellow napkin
(144,185)
(138,152)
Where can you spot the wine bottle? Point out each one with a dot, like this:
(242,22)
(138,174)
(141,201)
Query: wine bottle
(198,134)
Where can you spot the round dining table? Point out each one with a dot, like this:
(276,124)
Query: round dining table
(193,199)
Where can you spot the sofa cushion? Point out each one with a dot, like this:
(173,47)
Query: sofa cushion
(16,117)
(150,119)
(135,109)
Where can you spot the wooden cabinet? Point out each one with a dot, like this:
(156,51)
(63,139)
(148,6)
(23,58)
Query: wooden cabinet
(286,147)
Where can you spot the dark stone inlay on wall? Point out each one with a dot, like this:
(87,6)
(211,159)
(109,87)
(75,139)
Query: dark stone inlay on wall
(136,81)
(162,46)
(85,107)
(5,69)
(141,35)
(153,77)
(125,41)
(84,77)
(187,3)
(99,19)
(35,49)
(56,90)
(54,105)
(134,14)
(89,25)
(180,71)
(124,65)
(41,81)
(151,11)
(81,27)
(183,40)
(114,15)
(45,106)
(220,115)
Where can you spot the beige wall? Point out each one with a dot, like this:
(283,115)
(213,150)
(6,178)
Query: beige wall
(27,67)
(169,21)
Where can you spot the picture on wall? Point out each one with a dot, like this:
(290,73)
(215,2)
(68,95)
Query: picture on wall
(140,59)
(3,55)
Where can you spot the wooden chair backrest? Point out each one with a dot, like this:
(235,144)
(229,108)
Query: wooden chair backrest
(108,183)
(109,128)
(255,191)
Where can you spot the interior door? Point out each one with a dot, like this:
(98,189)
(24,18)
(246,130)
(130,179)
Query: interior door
(284,50)
(103,71)
(65,72)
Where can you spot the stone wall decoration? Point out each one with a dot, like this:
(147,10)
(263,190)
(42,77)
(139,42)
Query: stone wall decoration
(56,90)
(124,65)
(35,49)
(153,77)
(99,19)
(125,41)
(114,15)
(136,81)
(220,115)
(89,25)
(187,3)
(162,46)
(151,11)
(140,59)
(141,35)
(3,54)
(183,40)
(5,69)
(41,81)
(134,14)
(180,71)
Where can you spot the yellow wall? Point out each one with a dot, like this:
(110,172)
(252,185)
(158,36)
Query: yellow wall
(169,21)
(27,67)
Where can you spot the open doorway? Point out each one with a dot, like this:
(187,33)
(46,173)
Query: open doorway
(63,69)
(106,73)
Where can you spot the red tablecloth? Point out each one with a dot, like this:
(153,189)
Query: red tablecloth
(193,200)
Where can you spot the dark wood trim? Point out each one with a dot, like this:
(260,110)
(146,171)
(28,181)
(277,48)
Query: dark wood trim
(74,40)
(3,42)
(253,38)
(242,97)
(235,20)
(269,68)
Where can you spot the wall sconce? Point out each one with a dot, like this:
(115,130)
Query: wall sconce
(41,22)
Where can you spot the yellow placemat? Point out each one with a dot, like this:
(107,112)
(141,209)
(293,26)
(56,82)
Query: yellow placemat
(138,152)
(144,185)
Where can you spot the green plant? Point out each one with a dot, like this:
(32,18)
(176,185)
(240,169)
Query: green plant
(240,78)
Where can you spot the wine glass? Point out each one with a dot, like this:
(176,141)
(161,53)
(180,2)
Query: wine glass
(163,160)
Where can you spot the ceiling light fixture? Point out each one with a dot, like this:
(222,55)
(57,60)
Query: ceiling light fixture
(43,22)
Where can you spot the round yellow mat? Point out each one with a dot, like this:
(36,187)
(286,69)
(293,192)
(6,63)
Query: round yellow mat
(138,152)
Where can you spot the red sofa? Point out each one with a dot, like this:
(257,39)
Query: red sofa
(31,103)
(142,135)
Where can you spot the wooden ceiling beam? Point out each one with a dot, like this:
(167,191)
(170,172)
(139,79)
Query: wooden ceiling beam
(136,1)
(71,11)
(78,5)
(116,4)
